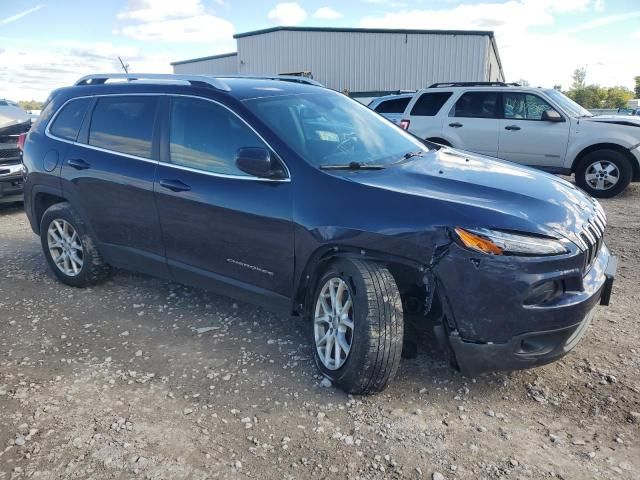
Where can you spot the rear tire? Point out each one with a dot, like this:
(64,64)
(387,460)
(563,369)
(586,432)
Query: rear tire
(63,233)
(603,173)
(377,324)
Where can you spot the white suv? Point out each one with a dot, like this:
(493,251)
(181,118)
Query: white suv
(533,126)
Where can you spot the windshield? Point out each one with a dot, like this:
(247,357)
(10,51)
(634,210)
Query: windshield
(569,106)
(329,129)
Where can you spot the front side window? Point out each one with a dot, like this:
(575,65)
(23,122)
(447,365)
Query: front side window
(476,105)
(68,122)
(395,105)
(207,136)
(124,124)
(429,104)
(327,128)
(524,106)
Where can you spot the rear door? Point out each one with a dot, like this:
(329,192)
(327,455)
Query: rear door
(108,174)
(473,122)
(222,228)
(525,137)
(424,119)
(393,109)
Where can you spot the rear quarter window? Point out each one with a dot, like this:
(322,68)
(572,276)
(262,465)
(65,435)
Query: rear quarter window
(396,105)
(430,103)
(124,124)
(69,120)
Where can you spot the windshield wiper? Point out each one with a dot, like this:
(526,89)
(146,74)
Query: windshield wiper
(352,166)
(417,153)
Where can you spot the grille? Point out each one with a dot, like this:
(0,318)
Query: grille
(9,153)
(592,236)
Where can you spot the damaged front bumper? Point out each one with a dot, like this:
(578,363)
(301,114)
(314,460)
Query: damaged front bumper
(507,334)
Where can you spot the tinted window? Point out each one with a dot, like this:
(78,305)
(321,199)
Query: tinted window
(397,105)
(429,104)
(328,128)
(476,104)
(206,136)
(68,122)
(124,124)
(524,106)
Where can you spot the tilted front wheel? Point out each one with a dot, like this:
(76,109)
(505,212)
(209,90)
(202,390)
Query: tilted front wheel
(357,325)
(603,173)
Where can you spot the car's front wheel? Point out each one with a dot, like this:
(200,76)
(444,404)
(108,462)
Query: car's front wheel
(69,247)
(603,173)
(357,324)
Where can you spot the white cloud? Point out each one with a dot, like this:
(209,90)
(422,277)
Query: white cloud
(542,59)
(601,22)
(327,13)
(18,16)
(287,14)
(172,21)
(35,72)
(636,35)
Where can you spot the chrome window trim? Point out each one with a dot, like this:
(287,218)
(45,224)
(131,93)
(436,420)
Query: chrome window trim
(48,133)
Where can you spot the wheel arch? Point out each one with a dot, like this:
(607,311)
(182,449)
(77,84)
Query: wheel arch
(43,198)
(635,175)
(440,140)
(404,271)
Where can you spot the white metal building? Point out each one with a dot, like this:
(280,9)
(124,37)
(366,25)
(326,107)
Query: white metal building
(364,62)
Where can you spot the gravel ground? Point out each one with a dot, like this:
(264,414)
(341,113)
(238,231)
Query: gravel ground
(143,378)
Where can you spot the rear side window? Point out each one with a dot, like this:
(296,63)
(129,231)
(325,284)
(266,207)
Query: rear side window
(69,120)
(396,105)
(429,104)
(206,136)
(124,124)
(476,105)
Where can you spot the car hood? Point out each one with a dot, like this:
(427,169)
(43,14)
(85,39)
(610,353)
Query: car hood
(478,191)
(626,120)
(11,116)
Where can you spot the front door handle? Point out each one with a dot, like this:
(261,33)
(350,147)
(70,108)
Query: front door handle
(512,127)
(175,185)
(455,125)
(78,164)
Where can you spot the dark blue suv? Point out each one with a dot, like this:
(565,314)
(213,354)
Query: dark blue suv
(293,196)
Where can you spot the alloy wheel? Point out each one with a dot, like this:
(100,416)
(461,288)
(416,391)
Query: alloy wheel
(602,175)
(65,247)
(333,323)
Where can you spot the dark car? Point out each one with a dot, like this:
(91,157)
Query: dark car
(300,199)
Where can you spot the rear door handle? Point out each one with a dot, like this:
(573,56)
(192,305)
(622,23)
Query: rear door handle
(175,185)
(455,125)
(512,127)
(78,164)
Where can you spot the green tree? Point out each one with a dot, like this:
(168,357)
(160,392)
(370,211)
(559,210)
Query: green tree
(30,104)
(591,96)
(579,78)
(617,97)
(637,89)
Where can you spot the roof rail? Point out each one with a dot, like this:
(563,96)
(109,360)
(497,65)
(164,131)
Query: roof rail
(195,80)
(284,78)
(473,84)
(216,82)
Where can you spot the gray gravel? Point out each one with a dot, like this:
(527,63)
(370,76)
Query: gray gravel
(143,378)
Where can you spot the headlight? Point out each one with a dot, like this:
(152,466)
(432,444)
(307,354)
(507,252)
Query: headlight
(494,242)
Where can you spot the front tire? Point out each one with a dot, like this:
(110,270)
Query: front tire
(603,173)
(357,325)
(70,248)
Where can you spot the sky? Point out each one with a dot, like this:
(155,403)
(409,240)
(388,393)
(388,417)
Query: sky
(48,44)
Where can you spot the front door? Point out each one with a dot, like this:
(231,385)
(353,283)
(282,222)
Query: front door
(526,138)
(222,228)
(473,122)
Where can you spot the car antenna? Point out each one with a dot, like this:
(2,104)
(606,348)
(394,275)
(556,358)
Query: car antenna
(125,67)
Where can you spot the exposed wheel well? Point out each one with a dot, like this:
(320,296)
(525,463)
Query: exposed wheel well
(42,202)
(609,146)
(439,140)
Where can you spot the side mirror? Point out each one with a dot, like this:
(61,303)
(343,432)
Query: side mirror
(551,115)
(257,161)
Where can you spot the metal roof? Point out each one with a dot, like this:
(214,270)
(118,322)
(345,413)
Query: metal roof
(488,33)
(202,59)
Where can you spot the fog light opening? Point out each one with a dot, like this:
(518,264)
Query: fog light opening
(543,293)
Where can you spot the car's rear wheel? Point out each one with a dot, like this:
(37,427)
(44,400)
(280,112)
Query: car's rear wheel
(603,173)
(357,325)
(70,248)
